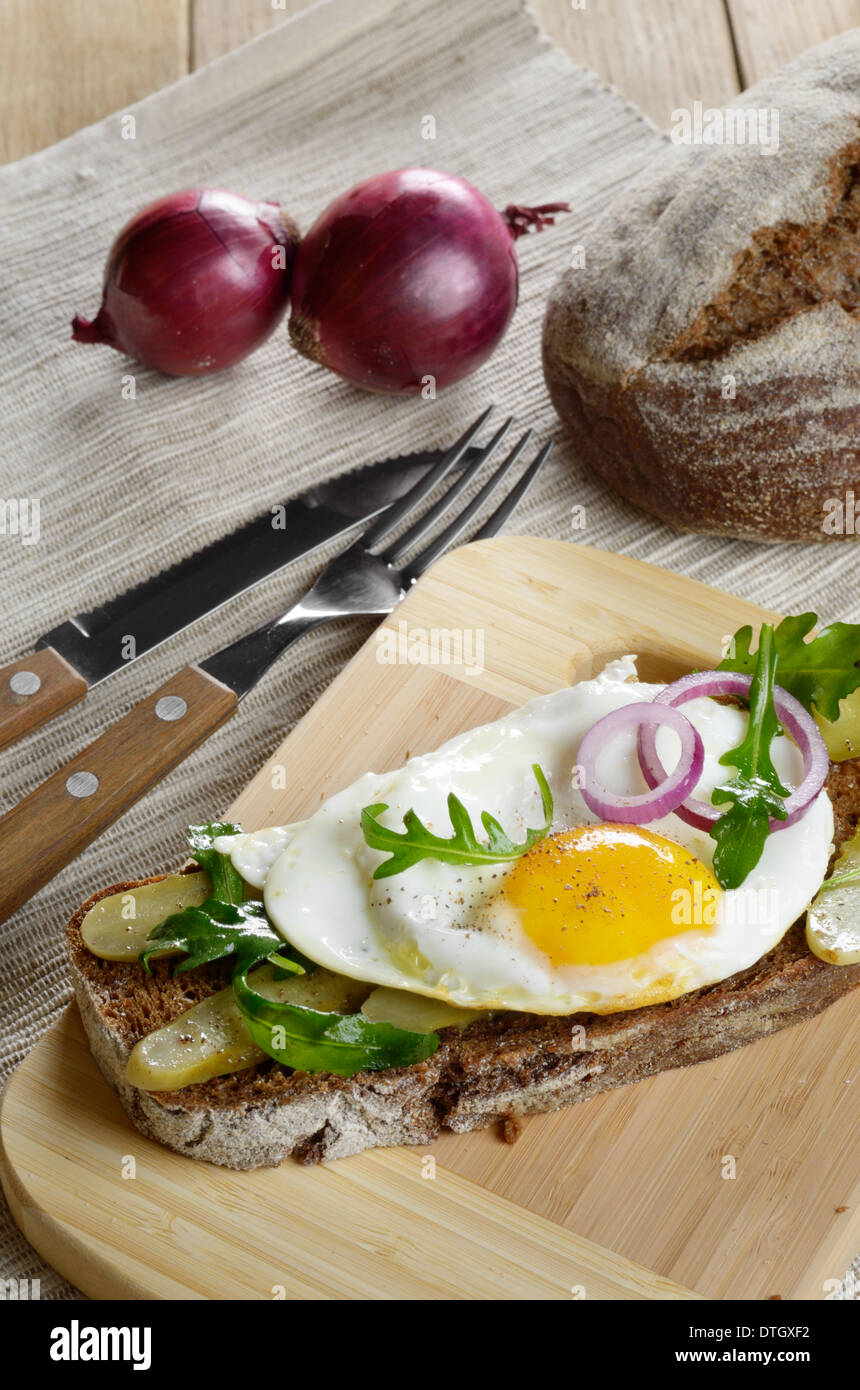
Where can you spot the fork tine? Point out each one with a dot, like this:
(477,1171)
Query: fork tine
(393,515)
(447,537)
(494,523)
(429,519)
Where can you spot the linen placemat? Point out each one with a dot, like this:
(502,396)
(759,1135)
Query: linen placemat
(130,483)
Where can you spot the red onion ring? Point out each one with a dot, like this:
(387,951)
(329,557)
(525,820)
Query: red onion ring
(797,722)
(673,787)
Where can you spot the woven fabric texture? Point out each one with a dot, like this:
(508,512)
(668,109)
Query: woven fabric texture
(128,484)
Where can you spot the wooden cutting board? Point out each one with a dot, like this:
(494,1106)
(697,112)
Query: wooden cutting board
(621,1197)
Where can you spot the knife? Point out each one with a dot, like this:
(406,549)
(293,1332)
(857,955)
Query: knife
(45,831)
(87,648)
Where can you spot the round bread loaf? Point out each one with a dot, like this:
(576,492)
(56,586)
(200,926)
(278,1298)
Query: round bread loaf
(706,356)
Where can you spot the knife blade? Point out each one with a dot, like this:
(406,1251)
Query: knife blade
(45,831)
(91,646)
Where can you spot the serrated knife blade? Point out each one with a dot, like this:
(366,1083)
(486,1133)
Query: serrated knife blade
(91,646)
(71,808)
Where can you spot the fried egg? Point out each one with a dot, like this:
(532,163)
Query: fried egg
(597,917)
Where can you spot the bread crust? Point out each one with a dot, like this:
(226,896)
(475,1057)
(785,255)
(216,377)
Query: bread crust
(492,1072)
(706,360)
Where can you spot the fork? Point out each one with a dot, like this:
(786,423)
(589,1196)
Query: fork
(45,831)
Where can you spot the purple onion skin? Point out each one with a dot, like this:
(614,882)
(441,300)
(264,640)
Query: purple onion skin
(190,286)
(409,275)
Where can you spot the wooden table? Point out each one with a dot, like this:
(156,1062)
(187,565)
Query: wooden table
(64,65)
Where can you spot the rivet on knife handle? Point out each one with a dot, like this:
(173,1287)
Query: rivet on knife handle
(34,690)
(46,830)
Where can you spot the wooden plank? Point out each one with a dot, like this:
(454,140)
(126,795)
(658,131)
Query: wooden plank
(770,33)
(786,1222)
(639,1172)
(217,26)
(63,66)
(661,54)
(368,1227)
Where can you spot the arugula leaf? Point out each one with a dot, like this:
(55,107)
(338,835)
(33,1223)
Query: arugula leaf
(344,1044)
(301,1038)
(224,924)
(227,884)
(217,929)
(416,842)
(819,673)
(756,792)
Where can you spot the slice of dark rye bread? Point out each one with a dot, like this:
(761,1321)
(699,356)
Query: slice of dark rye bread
(493,1071)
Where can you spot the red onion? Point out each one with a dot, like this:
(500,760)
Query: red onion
(794,718)
(408,280)
(194,282)
(674,787)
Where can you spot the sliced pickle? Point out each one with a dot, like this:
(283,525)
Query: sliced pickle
(212,1039)
(843,735)
(417,1013)
(117,927)
(209,1040)
(833,920)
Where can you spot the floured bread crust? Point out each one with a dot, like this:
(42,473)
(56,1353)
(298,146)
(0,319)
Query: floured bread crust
(490,1073)
(707,358)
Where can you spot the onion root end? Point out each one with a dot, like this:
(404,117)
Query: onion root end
(306,340)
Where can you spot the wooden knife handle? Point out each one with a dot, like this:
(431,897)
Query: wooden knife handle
(46,830)
(34,690)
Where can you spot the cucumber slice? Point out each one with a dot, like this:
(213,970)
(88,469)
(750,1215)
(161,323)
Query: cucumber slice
(212,1039)
(209,1040)
(117,927)
(843,735)
(833,920)
(417,1013)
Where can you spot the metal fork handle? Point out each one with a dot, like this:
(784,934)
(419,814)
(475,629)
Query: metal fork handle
(241,665)
(354,583)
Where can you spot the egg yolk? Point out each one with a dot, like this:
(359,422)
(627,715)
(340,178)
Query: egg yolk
(600,893)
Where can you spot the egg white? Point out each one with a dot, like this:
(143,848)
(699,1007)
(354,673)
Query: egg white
(441,929)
